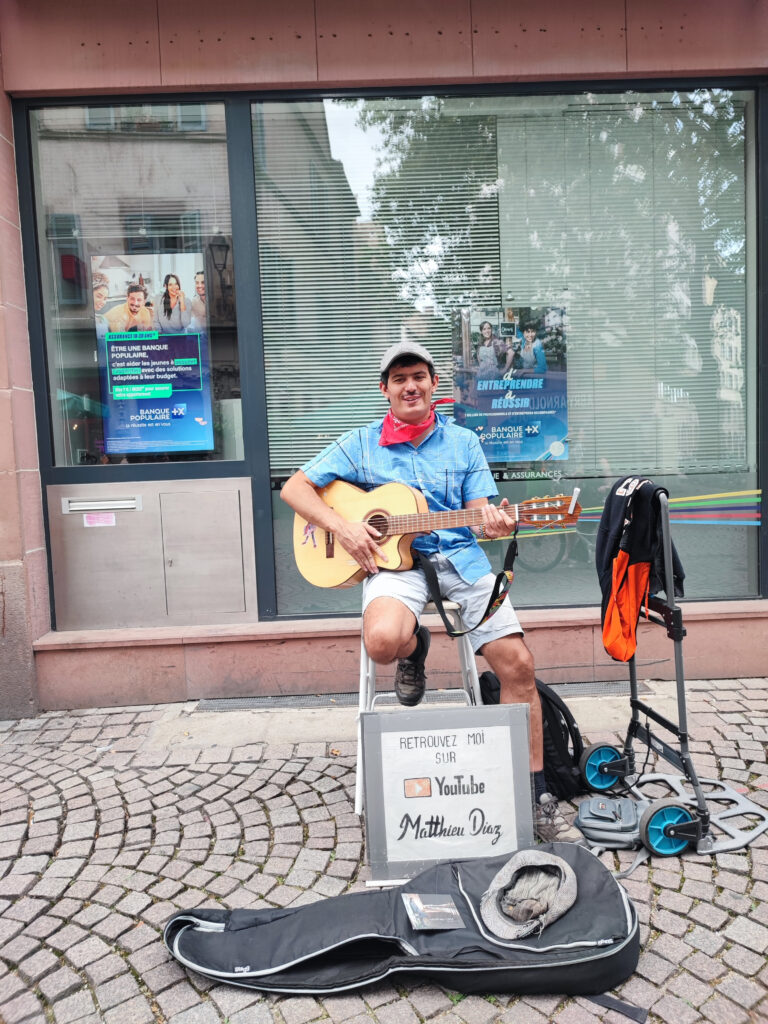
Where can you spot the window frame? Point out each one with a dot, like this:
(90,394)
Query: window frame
(241,156)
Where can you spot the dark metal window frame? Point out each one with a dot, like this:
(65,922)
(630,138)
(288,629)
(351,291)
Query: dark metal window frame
(245,244)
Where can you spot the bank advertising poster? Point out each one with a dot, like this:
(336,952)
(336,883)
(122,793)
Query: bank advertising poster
(153,352)
(510,381)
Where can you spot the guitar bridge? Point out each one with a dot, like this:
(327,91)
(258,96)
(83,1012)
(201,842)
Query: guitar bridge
(329,545)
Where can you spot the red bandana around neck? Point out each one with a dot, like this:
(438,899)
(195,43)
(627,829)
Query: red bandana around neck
(394,431)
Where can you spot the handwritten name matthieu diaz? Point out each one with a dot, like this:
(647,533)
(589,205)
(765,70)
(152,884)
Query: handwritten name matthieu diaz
(435,827)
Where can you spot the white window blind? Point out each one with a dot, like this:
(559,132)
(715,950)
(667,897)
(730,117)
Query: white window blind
(345,273)
(632,215)
(378,218)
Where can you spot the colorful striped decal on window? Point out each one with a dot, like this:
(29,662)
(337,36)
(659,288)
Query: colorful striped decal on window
(732,508)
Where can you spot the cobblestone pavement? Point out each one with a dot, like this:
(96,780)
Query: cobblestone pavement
(103,837)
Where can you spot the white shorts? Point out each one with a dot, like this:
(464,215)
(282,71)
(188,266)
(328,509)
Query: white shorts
(410,588)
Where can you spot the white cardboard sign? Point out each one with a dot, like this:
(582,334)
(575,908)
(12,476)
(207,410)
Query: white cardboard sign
(445,784)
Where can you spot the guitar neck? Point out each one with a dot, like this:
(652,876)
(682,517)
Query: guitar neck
(426,522)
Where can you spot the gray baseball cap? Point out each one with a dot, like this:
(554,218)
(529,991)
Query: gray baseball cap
(405,348)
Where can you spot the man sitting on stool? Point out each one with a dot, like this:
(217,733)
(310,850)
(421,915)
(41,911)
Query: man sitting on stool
(415,445)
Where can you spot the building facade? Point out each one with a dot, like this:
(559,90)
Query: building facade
(213,222)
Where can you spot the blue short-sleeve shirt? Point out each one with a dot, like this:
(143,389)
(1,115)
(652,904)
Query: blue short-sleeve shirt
(449,468)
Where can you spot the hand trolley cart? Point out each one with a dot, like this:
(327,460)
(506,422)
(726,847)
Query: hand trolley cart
(705,814)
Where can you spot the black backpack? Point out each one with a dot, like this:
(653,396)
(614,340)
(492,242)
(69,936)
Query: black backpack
(563,745)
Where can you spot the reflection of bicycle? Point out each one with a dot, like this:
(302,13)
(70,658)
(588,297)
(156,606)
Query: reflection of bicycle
(544,551)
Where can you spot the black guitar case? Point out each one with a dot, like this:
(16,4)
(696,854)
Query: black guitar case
(356,939)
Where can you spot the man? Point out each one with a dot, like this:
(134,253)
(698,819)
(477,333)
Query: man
(531,352)
(197,305)
(415,445)
(132,315)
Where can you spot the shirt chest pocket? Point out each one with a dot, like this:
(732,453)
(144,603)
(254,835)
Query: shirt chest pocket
(439,484)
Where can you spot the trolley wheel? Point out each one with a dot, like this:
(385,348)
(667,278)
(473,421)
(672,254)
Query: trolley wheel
(590,761)
(655,819)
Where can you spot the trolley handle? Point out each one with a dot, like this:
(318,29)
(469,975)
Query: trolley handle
(672,618)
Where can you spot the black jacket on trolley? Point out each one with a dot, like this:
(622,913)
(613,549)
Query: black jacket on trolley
(630,522)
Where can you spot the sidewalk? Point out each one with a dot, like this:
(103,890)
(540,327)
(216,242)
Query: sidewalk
(111,821)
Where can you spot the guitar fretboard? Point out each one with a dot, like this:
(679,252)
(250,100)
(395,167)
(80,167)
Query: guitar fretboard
(425,522)
(538,516)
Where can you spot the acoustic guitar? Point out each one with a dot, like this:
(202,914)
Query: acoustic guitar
(399,513)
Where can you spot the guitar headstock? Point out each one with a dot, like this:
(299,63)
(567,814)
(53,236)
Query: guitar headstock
(557,512)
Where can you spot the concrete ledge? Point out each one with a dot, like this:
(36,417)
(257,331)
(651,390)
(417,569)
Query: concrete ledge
(541,618)
(97,668)
(161,635)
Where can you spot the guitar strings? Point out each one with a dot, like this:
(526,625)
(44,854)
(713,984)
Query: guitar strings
(400,524)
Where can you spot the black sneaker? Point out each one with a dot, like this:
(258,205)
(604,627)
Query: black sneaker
(410,680)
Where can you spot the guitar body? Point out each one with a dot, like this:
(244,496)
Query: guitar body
(320,558)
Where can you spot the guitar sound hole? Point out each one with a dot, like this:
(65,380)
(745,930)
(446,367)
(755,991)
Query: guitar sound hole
(378,522)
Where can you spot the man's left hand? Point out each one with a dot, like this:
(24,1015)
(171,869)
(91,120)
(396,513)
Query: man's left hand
(496,521)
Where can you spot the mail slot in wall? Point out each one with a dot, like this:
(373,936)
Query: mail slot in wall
(70,505)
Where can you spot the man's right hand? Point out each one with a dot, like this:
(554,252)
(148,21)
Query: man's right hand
(359,539)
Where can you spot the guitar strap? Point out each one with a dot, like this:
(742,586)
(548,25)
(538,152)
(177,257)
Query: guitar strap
(500,587)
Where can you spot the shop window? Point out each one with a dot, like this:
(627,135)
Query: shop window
(619,228)
(137,282)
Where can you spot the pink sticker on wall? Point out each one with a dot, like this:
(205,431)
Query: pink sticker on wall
(99,519)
